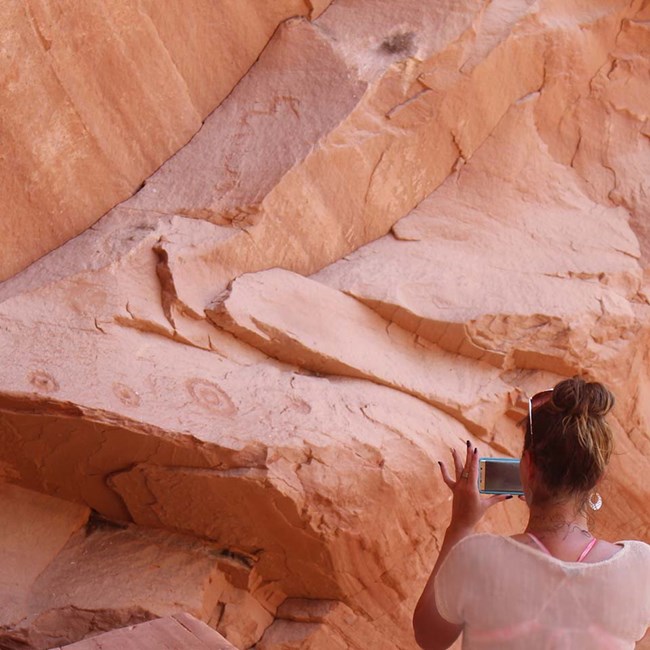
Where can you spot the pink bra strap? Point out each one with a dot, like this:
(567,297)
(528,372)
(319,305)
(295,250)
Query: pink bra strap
(583,555)
(538,543)
(588,548)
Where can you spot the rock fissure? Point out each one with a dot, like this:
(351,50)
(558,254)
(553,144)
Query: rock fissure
(422,215)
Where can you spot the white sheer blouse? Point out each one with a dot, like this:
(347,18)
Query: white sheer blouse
(515,597)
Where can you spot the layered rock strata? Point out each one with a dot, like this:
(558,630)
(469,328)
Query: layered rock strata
(179,631)
(96,97)
(70,573)
(403,220)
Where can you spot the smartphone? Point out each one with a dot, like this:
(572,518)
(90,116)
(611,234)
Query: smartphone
(499,476)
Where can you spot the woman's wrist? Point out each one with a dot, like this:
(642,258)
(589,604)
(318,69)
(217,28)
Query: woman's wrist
(459,529)
(455,533)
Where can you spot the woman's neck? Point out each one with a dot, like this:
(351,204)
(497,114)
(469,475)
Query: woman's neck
(559,519)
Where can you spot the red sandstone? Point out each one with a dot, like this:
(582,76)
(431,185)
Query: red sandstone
(227,397)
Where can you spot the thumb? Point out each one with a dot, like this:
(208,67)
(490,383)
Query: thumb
(497,498)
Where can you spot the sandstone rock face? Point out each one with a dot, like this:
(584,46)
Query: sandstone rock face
(179,631)
(35,529)
(405,218)
(96,97)
(69,573)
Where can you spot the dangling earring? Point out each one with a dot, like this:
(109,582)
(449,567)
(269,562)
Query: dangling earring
(595,501)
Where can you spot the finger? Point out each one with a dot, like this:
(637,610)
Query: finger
(496,498)
(473,466)
(468,457)
(445,476)
(457,464)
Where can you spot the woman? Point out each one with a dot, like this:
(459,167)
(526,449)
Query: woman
(554,585)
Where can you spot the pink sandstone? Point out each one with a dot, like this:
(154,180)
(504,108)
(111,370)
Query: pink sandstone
(401,221)
(178,631)
(68,573)
(96,97)
(353,341)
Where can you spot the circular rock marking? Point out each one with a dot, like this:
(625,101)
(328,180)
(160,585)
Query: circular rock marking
(208,395)
(43,381)
(126,394)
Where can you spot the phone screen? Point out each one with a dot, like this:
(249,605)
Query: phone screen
(502,476)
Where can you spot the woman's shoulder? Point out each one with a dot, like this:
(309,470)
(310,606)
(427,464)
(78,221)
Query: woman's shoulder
(635,552)
(634,565)
(637,549)
(479,544)
(474,545)
(641,547)
(482,552)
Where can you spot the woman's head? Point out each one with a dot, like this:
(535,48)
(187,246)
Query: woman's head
(570,441)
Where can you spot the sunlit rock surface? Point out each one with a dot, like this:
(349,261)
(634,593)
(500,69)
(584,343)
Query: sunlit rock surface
(178,631)
(96,96)
(236,385)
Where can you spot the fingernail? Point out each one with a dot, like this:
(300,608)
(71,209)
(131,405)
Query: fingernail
(469,444)
(509,497)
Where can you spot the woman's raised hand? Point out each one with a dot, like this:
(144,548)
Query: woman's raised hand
(468,506)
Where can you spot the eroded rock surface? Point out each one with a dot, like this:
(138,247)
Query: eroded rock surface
(180,631)
(70,573)
(96,97)
(399,223)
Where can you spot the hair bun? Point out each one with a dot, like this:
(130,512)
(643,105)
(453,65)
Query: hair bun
(581,398)
(572,442)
